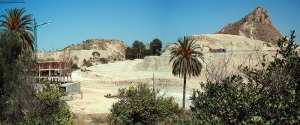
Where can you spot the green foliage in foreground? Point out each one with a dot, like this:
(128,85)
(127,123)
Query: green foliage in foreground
(53,109)
(271,95)
(140,105)
(20,102)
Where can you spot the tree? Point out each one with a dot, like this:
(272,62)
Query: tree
(156,46)
(185,60)
(138,48)
(129,54)
(8,67)
(147,52)
(15,21)
(21,102)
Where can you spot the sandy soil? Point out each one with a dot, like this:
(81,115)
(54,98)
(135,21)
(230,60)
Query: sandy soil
(103,79)
(108,78)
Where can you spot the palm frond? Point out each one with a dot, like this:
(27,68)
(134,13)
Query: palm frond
(185,56)
(15,20)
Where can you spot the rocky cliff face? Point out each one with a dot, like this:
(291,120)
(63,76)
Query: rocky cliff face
(256,25)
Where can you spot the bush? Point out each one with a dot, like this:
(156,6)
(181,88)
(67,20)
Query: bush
(103,60)
(76,58)
(87,63)
(140,105)
(229,101)
(53,109)
(271,95)
(74,66)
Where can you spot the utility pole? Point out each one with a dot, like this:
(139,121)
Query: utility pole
(35,25)
(153,81)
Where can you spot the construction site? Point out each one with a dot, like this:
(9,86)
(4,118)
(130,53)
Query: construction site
(58,71)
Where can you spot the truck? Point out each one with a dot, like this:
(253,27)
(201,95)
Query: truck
(219,50)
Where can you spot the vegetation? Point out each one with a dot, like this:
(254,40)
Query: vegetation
(87,63)
(138,49)
(141,105)
(270,95)
(155,46)
(185,61)
(76,58)
(8,68)
(20,100)
(15,21)
(129,54)
(75,67)
(103,60)
(52,109)
(147,52)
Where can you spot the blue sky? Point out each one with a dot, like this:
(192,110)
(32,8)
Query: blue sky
(74,21)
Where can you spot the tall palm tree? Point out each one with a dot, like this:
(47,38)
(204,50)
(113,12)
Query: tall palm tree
(185,60)
(16,22)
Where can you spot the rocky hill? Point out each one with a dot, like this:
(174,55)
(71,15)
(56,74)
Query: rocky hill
(92,50)
(256,25)
(116,46)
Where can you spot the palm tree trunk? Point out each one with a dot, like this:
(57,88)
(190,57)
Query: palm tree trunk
(184,87)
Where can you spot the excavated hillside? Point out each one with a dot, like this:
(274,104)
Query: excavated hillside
(109,49)
(256,25)
(116,46)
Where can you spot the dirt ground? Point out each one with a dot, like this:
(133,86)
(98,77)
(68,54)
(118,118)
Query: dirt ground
(100,80)
(91,107)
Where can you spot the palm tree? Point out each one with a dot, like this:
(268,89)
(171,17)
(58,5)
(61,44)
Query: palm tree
(16,22)
(185,60)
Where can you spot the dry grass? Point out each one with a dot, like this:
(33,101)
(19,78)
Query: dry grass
(90,119)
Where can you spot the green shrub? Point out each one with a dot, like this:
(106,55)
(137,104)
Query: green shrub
(270,95)
(140,105)
(53,109)
(229,101)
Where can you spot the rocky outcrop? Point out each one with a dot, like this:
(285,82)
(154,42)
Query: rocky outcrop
(256,25)
(116,46)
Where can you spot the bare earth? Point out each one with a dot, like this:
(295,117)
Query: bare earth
(108,78)
(100,80)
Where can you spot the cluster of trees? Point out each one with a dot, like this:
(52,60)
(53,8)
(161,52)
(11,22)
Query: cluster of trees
(139,51)
(266,95)
(21,102)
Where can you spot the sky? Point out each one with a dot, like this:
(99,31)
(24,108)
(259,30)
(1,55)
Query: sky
(74,21)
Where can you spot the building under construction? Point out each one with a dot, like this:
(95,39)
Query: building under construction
(58,72)
(55,71)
